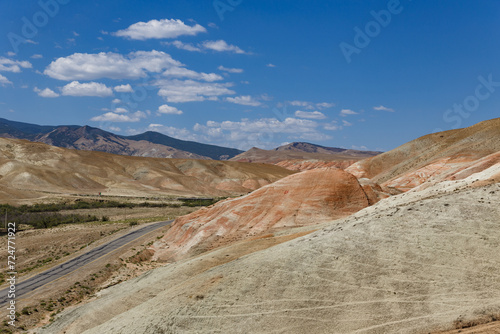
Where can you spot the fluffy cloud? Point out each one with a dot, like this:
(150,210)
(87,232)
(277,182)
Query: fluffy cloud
(246,100)
(324,105)
(37,56)
(311,105)
(383,108)
(114,117)
(135,65)
(332,126)
(86,89)
(4,81)
(246,133)
(184,46)
(219,46)
(124,89)
(166,109)
(264,132)
(345,112)
(222,46)
(159,29)
(9,65)
(47,92)
(173,132)
(189,90)
(346,123)
(271,65)
(230,70)
(300,103)
(310,114)
(182,72)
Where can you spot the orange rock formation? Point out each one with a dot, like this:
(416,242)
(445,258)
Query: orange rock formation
(306,198)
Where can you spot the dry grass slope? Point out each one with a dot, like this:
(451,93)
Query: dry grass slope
(439,154)
(303,199)
(30,169)
(413,263)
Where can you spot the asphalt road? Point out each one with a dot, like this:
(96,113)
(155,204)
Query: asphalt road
(62,269)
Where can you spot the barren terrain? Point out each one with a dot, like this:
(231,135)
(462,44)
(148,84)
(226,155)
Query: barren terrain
(34,170)
(303,199)
(412,263)
(38,250)
(448,155)
(321,251)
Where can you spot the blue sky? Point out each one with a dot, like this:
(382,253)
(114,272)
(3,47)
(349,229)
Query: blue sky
(242,73)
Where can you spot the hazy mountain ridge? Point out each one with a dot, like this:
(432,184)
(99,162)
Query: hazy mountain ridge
(302,151)
(149,144)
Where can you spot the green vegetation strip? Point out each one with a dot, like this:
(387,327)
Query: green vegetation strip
(46,215)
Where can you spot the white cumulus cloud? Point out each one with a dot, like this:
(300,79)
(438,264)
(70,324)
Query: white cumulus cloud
(258,132)
(76,88)
(345,112)
(124,89)
(324,105)
(159,29)
(4,81)
(85,66)
(190,90)
(221,46)
(9,65)
(245,100)
(166,109)
(184,46)
(182,72)
(113,117)
(230,70)
(310,114)
(383,108)
(332,126)
(47,92)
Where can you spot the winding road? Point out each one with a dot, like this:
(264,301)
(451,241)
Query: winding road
(37,281)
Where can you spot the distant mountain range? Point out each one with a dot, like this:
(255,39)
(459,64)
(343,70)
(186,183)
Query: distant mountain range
(30,171)
(302,151)
(157,145)
(148,144)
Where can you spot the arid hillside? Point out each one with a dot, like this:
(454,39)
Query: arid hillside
(301,165)
(31,170)
(280,259)
(418,262)
(304,199)
(449,155)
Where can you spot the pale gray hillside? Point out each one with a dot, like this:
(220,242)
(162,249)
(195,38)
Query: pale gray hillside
(412,263)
